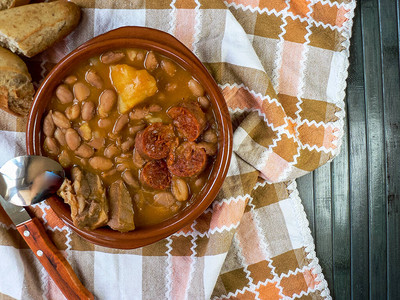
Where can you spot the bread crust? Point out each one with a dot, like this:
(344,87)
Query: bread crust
(19,3)
(48,23)
(16,88)
(5,4)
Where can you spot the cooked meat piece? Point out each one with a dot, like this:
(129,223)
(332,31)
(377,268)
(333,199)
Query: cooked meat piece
(188,119)
(87,198)
(155,174)
(154,142)
(187,160)
(66,191)
(121,208)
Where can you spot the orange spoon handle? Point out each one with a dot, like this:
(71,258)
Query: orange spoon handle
(52,260)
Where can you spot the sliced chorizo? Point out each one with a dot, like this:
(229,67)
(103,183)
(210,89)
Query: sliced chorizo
(188,119)
(187,160)
(155,174)
(155,141)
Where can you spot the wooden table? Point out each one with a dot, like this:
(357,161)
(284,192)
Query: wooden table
(353,204)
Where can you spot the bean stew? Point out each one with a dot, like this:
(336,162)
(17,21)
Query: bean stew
(136,135)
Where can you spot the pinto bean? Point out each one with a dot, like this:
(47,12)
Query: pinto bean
(60,120)
(72,112)
(139,200)
(196,88)
(51,146)
(168,67)
(128,144)
(152,120)
(138,161)
(105,123)
(81,91)
(121,122)
(64,159)
(60,137)
(133,129)
(64,94)
(48,125)
(210,136)
(210,148)
(180,189)
(106,102)
(204,103)
(94,79)
(72,138)
(131,53)
(71,79)
(124,158)
(97,143)
(111,57)
(138,113)
(130,179)
(165,199)
(113,137)
(111,151)
(199,182)
(84,151)
(151,62)
(155,108)
(85,131)
(88,111)
(175,207)
(109,173)
(140,56)
(100,163)
(84,162)
(118,141)
(122,167)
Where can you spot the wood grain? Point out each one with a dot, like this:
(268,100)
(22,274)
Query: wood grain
(52,260)
(363,259)
(375,149)
(389,37)
(323,220)
(340,222)
(305,186)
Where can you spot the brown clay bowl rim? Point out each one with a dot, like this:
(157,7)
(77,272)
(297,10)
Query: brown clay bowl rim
(150,39)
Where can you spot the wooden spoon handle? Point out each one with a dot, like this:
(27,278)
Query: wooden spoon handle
(52,260)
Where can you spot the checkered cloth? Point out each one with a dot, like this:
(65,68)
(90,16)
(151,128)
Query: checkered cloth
(282,67)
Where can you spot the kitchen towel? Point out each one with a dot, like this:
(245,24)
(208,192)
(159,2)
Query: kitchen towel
(282,67)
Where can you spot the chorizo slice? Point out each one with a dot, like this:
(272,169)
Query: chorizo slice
(188,119)
(155,141)
(187,160)
(155,174)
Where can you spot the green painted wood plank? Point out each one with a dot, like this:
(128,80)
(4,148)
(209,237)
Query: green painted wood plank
(323,221)
(341,222)
(375,149)
(389,12)
(306,192)
(357,166)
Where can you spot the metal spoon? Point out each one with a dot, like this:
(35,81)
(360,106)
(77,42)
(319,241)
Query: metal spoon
(27,180)
(30,179)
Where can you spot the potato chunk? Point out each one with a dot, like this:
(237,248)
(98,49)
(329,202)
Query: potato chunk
(132,86)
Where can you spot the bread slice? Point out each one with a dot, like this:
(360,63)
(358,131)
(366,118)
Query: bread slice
(5,4)
(31,29)
(16,88)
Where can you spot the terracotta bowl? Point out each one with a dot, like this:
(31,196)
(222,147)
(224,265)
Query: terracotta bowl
(150,39)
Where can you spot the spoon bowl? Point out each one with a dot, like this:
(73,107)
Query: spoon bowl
(30,179)
(26,180)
